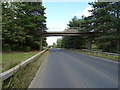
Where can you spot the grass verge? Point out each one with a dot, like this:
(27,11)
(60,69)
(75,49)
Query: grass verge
(94,49)
(24,76)
(12,59)
(110,57)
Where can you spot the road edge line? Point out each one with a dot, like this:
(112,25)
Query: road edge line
(37,72)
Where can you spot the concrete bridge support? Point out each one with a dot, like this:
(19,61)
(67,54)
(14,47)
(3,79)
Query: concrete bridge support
(90,44)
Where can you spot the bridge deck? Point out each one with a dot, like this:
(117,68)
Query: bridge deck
(67,33)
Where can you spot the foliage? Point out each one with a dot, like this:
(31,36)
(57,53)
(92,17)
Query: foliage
(22,25)
(104,19)
(54,45)
(76,42)
(59,43)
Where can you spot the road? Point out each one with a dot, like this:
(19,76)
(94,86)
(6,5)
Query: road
(64,69)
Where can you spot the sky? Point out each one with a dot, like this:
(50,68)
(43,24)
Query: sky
(60,13)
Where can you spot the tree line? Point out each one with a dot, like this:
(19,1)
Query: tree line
(22,25)
(105,18)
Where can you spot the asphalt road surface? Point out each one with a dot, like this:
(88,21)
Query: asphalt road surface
(64,69)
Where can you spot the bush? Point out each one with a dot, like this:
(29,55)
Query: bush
(27,48)
(6,48)
(9,48)
(18,47)
(36,45)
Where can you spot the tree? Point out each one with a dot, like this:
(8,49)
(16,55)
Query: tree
(76,42)
(12,34)
(59,43)
(103,20)
(54,45)
(23,25)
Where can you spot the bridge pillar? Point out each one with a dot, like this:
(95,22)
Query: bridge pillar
(90,45)
(41,47)
(118,46)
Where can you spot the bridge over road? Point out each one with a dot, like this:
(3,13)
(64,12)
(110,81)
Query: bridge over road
(67,33)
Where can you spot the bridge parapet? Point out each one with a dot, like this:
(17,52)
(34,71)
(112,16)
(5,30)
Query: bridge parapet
(62,31)
(75,29)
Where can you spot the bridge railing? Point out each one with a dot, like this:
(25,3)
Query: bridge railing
(63,31)
(67,30)
(5,75)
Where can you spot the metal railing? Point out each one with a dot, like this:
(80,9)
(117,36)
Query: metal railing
(10,72)
(107,53)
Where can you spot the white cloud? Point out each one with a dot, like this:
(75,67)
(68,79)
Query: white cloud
(85,12)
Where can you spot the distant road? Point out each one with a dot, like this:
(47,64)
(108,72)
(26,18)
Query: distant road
(64,69)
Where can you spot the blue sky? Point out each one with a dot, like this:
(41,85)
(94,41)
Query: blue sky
(60,13)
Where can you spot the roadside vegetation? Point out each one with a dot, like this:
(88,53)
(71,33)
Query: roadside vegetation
(12,59)
(22,26)
(23,77)
(104,22)
(106,56)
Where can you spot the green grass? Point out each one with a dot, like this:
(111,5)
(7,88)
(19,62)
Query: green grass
(110,57)
(23,77)
(95,49)
(94,46)
(9,60)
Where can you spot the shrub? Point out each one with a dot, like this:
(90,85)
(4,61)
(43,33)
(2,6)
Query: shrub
(6,48)
(27,48)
